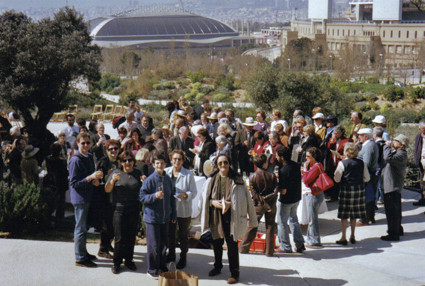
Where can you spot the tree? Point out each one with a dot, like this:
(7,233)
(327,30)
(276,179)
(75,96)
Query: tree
(299,55)
(261,86)
(38,60)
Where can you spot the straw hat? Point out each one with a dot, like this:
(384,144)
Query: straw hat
(403,139)
(249,121)
(30,151)
(213,116)
(208,168)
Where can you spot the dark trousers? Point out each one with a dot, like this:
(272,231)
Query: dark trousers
(60,205)
(157,241)
(370,206)
(392,202)
(125,228)
(232,251)
(107,230)
(184,223)
(251,232)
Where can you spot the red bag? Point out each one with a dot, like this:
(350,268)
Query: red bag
(322,183)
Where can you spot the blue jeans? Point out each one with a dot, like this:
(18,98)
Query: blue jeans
(287,212)
(80,231)
(313,205)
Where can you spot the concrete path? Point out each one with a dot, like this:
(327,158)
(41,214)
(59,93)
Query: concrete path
(368,262)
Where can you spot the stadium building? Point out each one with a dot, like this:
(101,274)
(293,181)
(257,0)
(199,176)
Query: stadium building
(162,28)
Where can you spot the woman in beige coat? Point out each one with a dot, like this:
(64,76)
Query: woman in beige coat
(226,207)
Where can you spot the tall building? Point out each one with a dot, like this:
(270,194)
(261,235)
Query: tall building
(387,32)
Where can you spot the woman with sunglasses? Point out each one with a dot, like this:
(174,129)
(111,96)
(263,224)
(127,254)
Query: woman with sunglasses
(124,183)
(225,211)
(184,184)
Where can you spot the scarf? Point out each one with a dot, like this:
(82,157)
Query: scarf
(218,190)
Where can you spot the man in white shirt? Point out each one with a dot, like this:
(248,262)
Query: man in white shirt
(71,131)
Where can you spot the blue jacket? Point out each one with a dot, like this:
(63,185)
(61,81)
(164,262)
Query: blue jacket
(158,210)
(79,168)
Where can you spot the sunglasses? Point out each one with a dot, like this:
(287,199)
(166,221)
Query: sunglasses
(85,143)
(223,163)
(127,160)
(113,149)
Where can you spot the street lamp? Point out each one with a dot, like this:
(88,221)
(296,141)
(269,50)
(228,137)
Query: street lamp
(289,64)
(380,64)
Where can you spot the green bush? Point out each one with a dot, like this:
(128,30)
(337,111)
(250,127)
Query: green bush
(182,92)
(196,76)
(169,85)
(221,97)
(24,208)
(393,93)
(196,86)
(159,94)
(206,89)
(157,86)
(370,96)
(372,80)
(419,92)
(200,96)
(125,98)
(108,82)
(227,81)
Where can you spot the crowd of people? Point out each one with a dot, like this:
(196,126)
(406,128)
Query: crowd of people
(254,168)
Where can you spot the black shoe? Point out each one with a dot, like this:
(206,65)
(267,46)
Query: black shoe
(91,257)
(182,262)
(130,265)
(300,249)
(352,240)
(170,258)
(342,242)
(214,272)
(421,202)
(86,263)
(115,269)
(390,238)
(105,254)
(401,231)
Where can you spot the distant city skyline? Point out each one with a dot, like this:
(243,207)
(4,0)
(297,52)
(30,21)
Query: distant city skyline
(26,4)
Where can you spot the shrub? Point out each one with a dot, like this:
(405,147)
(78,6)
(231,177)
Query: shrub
(200,96)
(125,98)
(196,76)
(221,97)
(370,96)
(419,92)
(372,80)
(157,86)
(169,85)
(393,93)
(227,81)
(108,82)
(196,86)
(206,89)
(24,208)
(182,92)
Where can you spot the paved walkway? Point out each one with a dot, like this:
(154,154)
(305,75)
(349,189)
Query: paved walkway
(369,262)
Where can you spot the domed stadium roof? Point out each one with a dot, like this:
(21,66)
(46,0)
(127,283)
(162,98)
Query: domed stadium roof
(157,24)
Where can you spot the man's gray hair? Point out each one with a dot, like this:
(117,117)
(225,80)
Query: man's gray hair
(421,123)
(221,139)
(378,131)
(183,128)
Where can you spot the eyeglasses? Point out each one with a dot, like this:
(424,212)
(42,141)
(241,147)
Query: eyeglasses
(223,163)
(113,149)
(178,159)
(85,143)
(127,160)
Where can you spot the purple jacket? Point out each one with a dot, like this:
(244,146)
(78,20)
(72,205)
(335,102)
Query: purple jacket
(79,168)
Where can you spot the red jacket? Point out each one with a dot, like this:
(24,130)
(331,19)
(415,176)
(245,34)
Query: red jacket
(310,176)
(340,150)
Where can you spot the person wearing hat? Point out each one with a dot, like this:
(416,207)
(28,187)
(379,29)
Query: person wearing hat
(319,129)
(393,181)
(370,155)
(29,165)
(244,143)
(380,120)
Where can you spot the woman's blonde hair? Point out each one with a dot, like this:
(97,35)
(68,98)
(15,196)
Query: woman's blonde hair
(142,154)
(350,150)
(309,129)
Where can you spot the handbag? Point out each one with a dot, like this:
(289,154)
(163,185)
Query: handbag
(177,278)
(322,183)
